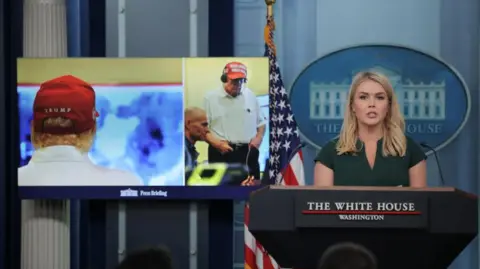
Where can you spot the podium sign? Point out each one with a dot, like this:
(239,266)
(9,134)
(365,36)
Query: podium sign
(353,209)
(405,227)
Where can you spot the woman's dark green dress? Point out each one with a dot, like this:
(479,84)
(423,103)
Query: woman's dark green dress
(354,170)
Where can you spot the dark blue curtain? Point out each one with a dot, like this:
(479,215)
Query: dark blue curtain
(221,28)
(86,38)
(10,48)
(75,12)
(221,44)
(86,28)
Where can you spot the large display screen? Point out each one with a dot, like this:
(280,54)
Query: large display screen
(141,144)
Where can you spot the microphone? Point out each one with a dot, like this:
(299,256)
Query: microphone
(425,145)
(290,157)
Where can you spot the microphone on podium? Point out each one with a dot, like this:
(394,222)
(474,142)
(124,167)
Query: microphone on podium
(290,157)
(425,145)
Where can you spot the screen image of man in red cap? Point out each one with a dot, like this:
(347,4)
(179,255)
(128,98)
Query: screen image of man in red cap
(62,132)
(237,124)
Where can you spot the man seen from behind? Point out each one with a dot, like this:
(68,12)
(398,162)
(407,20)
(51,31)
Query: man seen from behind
(152,258)
(347,256)
(62,132)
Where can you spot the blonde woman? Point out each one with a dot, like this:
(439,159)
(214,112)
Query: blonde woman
(372,149)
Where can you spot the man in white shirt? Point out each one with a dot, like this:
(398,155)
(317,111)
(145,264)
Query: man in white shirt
(237,124)
(63,129)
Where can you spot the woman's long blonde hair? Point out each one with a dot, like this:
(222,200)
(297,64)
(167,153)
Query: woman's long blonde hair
(394,140)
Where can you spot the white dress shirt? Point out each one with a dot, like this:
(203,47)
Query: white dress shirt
(234,119)
(67,166)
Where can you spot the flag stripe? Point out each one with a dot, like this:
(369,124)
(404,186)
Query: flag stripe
(296,165)
(250,256)
(256,256)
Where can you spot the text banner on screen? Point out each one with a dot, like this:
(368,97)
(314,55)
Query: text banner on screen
(116,192)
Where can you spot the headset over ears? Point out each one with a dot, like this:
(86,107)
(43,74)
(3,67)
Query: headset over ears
(223,78)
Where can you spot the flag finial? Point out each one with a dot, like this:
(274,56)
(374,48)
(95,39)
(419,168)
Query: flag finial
(270,4)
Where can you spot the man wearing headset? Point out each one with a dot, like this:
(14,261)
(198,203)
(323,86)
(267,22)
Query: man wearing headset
(237,124)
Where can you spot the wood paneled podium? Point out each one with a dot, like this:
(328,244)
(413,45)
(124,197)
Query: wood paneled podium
(405,227)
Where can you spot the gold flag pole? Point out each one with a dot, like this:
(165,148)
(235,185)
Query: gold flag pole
(270,27)
(270,4)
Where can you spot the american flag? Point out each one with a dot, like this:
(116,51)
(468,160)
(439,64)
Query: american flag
(284,141)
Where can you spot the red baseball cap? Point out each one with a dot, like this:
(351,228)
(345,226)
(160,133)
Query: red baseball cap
(68,97)
(235,70)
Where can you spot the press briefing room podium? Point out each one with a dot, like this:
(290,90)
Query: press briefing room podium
(404,227)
